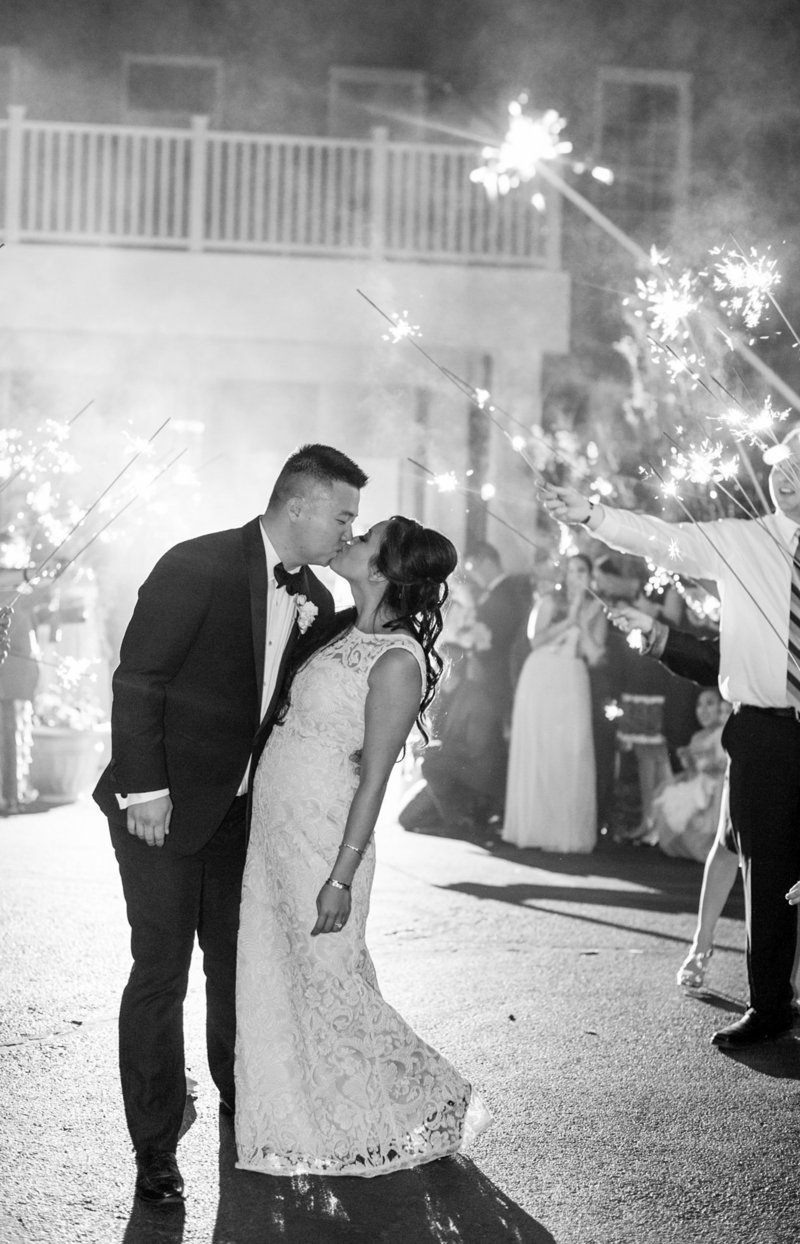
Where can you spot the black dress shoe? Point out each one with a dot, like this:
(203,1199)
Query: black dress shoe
(158,1181)
(751,1029)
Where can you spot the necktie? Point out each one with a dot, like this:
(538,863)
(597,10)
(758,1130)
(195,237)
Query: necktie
(291,580)
(793,668)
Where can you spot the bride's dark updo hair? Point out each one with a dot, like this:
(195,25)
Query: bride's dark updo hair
(416,561)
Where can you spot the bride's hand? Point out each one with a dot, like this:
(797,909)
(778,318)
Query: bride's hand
(333,910)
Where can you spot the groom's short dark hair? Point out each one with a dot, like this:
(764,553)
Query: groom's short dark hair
(321,463)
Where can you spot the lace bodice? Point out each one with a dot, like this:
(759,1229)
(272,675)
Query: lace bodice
(329,692)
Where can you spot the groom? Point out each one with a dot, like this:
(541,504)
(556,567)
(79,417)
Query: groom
(202,663)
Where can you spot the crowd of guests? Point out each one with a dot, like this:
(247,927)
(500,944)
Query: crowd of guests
(551,729)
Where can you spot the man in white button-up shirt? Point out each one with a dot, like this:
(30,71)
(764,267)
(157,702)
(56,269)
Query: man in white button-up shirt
(202,663)
(751,561)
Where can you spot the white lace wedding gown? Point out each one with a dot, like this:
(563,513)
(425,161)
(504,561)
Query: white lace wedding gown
(330,1080)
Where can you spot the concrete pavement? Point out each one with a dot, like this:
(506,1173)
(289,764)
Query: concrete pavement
(549,980)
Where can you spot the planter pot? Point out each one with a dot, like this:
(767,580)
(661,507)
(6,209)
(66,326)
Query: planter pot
(66,763)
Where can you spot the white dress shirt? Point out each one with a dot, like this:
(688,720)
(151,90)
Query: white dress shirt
(751,561)
(281,612)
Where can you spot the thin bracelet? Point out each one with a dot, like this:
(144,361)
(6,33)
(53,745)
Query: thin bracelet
(350,847)
(337,885)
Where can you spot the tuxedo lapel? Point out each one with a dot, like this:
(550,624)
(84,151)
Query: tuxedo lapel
(256,560)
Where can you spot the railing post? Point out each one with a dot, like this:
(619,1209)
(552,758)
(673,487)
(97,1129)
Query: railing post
(379,192)
(197,183)
(553,229)
(13,195)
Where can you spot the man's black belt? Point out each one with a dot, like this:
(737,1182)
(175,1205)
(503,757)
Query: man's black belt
(773,712)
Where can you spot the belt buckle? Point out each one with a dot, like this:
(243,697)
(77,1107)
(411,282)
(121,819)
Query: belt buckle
(796,715)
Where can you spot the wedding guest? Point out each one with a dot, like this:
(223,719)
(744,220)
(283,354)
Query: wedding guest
(697,658)
(502,607)
(459,627)
(202,662)
(686,809)
(756,563)
(463,767)
(19,678)
(550,789)
(605,685)
(330,1079)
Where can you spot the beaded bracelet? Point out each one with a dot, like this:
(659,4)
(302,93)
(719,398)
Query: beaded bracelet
(337,885)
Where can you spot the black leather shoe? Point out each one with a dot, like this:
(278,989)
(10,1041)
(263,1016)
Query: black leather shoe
(158,1181)
(751,1029)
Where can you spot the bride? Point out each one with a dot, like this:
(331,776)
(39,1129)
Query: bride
(330,1080)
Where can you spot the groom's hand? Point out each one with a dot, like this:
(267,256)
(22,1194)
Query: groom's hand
(150,820)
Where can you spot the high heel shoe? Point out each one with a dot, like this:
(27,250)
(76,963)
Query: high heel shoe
(692,972)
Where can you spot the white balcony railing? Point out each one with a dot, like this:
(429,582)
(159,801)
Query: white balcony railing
(285,195)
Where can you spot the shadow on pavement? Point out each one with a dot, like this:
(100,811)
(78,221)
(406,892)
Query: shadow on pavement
(450,1199)
(509,894)
(777,1059)
(151,1224)
(672,884)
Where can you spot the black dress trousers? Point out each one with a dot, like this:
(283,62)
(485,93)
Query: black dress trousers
(169,899)
(764,748)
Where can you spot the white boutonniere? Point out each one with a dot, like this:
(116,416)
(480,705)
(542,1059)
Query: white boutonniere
(306,613)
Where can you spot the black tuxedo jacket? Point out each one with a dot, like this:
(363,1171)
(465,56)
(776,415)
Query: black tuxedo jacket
(187,692)
(691,656)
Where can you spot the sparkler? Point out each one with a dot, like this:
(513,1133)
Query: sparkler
(447,481)
(401,329)
(36,574)
(530,150)
(529,141)
(481,398)
(58,433)
(7,610)
(748,281)
(64,566)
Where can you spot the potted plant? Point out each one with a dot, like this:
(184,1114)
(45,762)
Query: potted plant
(70,733)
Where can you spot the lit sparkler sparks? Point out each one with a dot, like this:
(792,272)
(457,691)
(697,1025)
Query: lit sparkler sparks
(748,281)
(529,140)
(84,514)
(667,303)
(446,482)
(402,329)
(755,428)
(451,484)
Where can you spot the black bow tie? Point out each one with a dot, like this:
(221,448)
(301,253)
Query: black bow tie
(291,580)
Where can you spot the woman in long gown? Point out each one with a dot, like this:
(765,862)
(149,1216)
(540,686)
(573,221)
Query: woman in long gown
(330,1080)
(550,788)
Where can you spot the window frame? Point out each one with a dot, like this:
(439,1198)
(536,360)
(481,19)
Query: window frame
(177,117)
(681,81)
(341,75)
(12,52)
